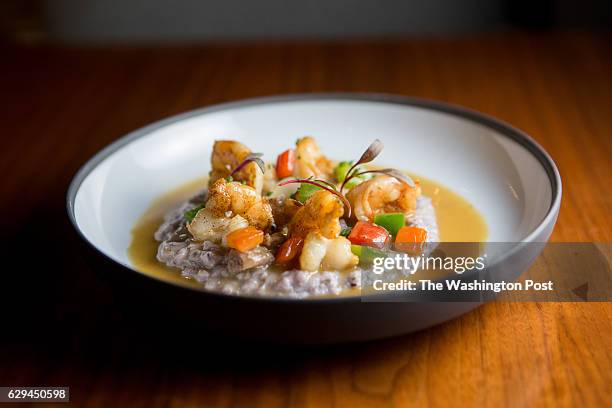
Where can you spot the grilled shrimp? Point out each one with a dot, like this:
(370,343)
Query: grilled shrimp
(382,194)
(270,180)
(310,161)
(321,212)
(226,156)
(283,210)
(205,226)
(325,253)
(239,199)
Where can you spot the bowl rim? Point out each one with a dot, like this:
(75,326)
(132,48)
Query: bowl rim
(486,120)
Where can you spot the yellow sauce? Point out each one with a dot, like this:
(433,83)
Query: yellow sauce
(143,248)
(458,221)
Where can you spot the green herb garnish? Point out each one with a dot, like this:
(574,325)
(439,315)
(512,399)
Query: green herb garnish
(305,191)
(190,214)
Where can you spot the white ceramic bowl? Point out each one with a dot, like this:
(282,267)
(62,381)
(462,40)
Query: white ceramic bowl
(507,176)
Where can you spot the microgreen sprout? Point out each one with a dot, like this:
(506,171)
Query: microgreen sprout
(253,157)
(323,185)
(370,154)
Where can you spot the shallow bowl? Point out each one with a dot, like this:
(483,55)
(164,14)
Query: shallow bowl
(504,173)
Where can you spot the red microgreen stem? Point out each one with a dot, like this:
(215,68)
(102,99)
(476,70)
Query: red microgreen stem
(325,186)
(253,157)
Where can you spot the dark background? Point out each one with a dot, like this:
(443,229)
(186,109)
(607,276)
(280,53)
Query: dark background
(164,21)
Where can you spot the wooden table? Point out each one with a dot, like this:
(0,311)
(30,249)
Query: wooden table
(60,105)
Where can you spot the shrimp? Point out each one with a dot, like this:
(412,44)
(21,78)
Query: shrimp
(310,162)
(283,210)
(239,199)
(325,253)
(226,156)
(382,194)
(321,212)
(206,226)
(270,180)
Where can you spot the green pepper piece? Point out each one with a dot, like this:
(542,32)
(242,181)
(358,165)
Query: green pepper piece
(354,182)
(341,169)
(392,222)
(367,254)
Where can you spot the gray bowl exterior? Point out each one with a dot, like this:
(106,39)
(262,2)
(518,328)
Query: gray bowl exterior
(311,321)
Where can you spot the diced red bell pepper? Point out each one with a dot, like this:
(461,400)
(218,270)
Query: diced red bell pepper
(290,249)
(365,233)
(285,164)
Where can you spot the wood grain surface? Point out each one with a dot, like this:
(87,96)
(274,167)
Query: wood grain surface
(62,104)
